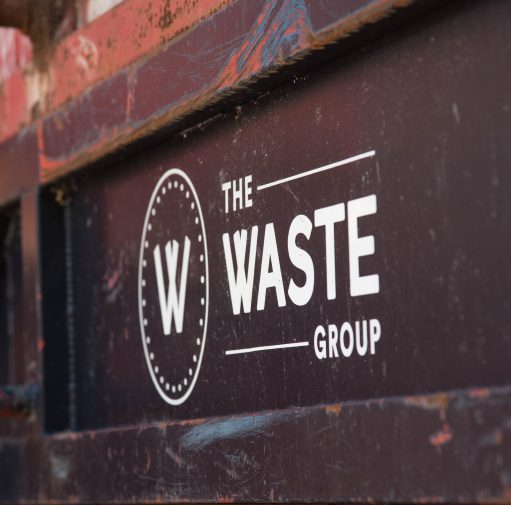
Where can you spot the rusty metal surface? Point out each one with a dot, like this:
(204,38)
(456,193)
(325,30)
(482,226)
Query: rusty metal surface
(264,37)
(82,53)
(451,447)
(285,428)
(442,305)
(253,38)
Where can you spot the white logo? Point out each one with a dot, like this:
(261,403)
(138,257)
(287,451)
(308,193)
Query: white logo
(172,303)
(173,286)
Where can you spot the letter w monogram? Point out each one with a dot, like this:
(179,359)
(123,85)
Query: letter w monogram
(170,303)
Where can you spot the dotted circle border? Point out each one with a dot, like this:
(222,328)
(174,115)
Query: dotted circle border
(188,391)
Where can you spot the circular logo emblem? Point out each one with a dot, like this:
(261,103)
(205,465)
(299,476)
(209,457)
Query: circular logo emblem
(173,286)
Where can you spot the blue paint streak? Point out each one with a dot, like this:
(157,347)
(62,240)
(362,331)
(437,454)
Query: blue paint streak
(200,436)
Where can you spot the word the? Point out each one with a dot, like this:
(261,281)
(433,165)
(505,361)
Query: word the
(241,193)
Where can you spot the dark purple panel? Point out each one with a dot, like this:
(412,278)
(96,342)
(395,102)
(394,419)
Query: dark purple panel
(434,105)
(187,65)
(90,119)
(442,448)
(12,486)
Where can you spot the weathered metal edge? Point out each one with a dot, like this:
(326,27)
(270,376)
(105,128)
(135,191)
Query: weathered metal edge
(267,37)
(19,165)
(445,447)
(70,57)
(128,106)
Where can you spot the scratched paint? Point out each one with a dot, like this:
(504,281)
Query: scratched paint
(306,456)
(199,437)
(431,310)
(382,449)
(101,47)
(98,55)
(265,37)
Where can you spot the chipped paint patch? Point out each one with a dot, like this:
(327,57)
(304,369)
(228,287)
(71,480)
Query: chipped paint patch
(479,393)
(226,499)
(441,437)
(438,402)
(333,409)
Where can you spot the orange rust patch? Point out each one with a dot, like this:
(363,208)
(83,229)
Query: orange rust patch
(117,39)
(191,422)
(133,31)
(95,52)
(434,402)
(333,409)
(479,393)
(442,436)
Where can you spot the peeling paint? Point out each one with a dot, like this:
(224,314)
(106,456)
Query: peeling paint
(441,437)
(479,393)
(333,409)
(90,57)
(438,402)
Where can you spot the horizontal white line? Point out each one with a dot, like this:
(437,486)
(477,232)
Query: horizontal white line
(368,154)
(266,348)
